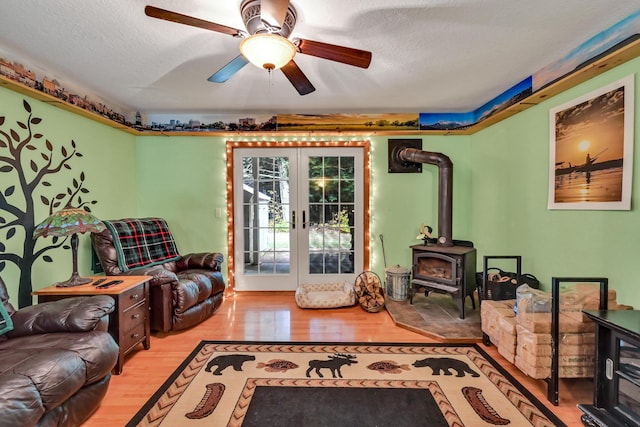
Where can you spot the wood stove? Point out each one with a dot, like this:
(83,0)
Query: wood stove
(444,269)
(447,266)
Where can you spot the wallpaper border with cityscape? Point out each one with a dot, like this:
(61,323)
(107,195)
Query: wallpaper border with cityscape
(602,44)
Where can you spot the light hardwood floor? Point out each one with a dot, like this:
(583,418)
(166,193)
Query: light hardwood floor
(274,316)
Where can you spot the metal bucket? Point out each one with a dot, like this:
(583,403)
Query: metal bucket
(397,282)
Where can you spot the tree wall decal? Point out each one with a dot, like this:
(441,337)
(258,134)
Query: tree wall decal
(29,158)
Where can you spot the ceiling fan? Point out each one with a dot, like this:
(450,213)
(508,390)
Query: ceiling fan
(265,42)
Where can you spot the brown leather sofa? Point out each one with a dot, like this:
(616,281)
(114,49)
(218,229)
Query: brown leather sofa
(55,365)
(183,292)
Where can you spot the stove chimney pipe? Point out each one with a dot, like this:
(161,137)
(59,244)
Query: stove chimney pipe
(445,185)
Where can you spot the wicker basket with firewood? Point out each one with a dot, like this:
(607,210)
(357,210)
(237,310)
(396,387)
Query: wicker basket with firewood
(369,292)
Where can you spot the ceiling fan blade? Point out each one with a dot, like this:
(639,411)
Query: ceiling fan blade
(167,15)
(346,55)
(225,73)
(274,11)
(297,78)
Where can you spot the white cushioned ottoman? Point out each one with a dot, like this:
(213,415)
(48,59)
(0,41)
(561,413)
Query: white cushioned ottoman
(325,295)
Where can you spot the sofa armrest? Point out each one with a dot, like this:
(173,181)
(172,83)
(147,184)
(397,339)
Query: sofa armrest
(205,260)
(159,274)
(77,314)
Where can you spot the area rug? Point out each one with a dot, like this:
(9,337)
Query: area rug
(341,384)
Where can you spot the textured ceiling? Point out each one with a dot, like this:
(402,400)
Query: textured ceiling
(428,55)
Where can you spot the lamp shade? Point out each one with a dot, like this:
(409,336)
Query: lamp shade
(68,221)
(269,51)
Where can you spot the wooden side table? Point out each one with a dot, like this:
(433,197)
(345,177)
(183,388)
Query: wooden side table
(129,323)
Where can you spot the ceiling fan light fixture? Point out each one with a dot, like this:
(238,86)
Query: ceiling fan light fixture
(268,51)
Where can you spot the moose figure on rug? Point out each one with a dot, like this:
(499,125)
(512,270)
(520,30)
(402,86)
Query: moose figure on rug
(333,364)
(445,365)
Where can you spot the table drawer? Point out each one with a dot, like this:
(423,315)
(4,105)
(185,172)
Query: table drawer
(132,337)
(131,297)
(134,315)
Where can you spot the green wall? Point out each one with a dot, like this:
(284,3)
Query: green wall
(183,179)
(500,194)
(108,161)
(510,170)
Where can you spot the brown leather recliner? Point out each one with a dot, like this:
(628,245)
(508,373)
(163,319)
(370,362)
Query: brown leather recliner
(184,292)
(55,365)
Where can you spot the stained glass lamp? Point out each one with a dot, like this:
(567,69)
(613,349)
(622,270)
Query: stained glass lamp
(69,222)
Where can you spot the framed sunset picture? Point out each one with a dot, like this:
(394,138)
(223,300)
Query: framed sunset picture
(591,150)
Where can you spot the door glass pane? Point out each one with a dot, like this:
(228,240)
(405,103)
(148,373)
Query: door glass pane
(347,168)
(331,215)
(266,208)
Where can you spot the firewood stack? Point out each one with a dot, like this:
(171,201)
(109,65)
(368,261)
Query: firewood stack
(525,340)
(369,292)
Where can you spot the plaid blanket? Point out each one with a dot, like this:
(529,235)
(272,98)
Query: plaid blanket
(142,242)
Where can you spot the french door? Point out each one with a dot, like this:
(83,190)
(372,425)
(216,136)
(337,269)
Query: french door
(298,216)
